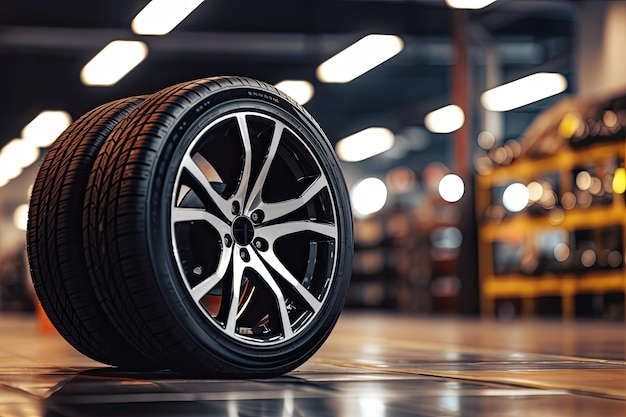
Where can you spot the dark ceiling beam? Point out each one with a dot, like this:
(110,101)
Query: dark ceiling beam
(89,40)
(86,39)
(287,46)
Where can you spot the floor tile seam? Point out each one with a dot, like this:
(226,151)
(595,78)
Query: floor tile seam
(596,393)
(150,397)
(439,346)
(610,394)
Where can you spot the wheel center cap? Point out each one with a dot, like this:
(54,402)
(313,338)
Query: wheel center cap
(243,231)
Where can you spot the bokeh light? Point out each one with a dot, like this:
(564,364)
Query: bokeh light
(368,196)
(451,188)
(515,197)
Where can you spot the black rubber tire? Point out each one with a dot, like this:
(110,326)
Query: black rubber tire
(54,240)
(128,233)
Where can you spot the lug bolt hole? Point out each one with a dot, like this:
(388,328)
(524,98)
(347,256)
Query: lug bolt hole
(261,244)
(257,216)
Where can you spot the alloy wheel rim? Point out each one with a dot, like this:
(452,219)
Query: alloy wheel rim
(254,228)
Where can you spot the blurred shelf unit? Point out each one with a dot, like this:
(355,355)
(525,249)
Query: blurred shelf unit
(551,215)
(391,264)
(405,257)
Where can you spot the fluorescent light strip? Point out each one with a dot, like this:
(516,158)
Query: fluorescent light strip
(524,91)
(43,130)
(14,157)
(19,153)
(360,57)
(365,144)
(9,169)
(159,17)
(20,217)
(445,120)
(113,62)
(469,4)
(300,90)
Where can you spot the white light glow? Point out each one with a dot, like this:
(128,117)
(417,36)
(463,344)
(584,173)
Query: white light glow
(14,157)
(451,188)
(524,91)
(113,62)
(20,153)
(8,172)
(365,144)
(445,120)
(20,216)
(43,130)
(358,58)
(469,4)
(515,197)
(369,196)
(159,17)
(300,90)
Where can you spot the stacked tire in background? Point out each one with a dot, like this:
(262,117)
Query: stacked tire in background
(205,228)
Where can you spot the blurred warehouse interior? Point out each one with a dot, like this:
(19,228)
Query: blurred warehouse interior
(465,202)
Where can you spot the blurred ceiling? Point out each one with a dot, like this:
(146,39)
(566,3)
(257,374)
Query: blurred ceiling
(44,44)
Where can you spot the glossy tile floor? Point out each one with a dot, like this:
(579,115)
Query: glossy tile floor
(373,365)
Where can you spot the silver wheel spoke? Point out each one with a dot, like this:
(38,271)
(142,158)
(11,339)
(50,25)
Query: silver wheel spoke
(255,194)
(271,258)
(277,210)
(209,283)
(257,264)
(238,268)
(273,232)
(180,214)
(194,170)
(242,188)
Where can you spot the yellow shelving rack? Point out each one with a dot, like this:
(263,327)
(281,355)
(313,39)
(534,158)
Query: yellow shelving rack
(523,228)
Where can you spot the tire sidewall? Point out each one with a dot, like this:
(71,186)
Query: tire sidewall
(236,355)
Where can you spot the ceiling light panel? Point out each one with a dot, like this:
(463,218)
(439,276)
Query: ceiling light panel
(524,91)
(159,17)
(300,90)
(43,130)
(19,153)
(365,144)
(113,62)
(359,58)
(469,4)
(445,120)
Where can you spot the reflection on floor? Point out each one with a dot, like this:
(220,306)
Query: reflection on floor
(372,365)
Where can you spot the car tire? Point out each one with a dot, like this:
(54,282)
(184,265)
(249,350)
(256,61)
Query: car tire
(55,240)
(218,230)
